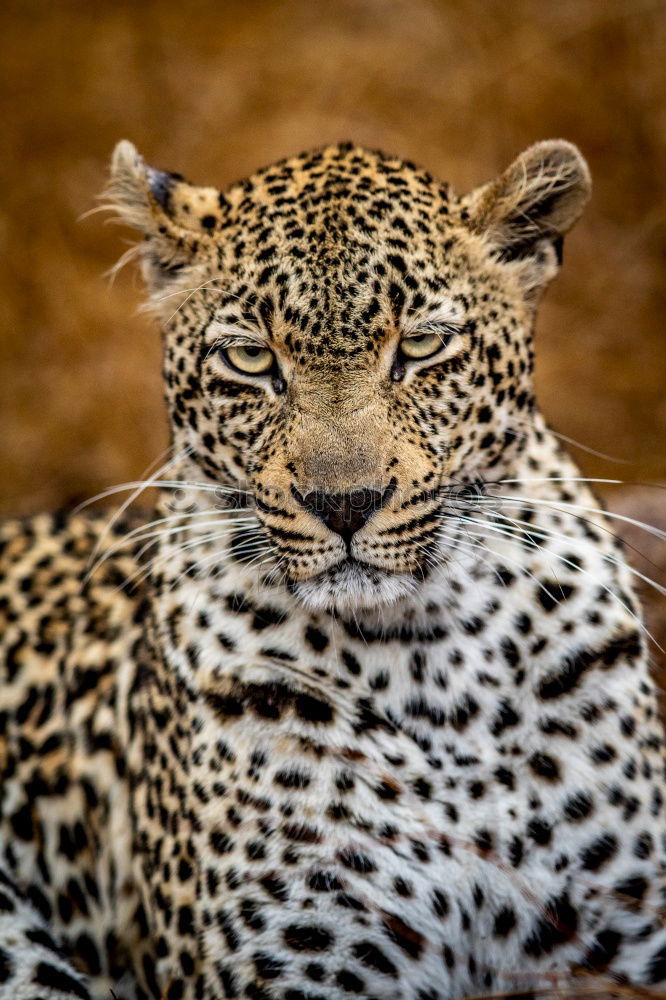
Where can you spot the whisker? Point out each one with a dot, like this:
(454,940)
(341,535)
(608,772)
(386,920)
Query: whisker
(649,528)
(606,556)
(506,558)
(639,624)
(141,533)
(204,286)
(576,444)
(574,479)
(165,533)
(195,288)
(200,564)
(118,514)
(177,484)
(594,524)
(455,541)
(205,540)
(146,569)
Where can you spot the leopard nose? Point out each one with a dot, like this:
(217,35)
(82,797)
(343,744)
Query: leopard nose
(345,513)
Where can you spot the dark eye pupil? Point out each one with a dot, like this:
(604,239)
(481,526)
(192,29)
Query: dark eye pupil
(252,351)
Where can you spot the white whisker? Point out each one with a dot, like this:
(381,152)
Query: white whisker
(526,527)
(522,501)
(576,444)
(118,514)
(141,533)
(512,535)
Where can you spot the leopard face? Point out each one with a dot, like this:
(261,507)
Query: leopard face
(347,342)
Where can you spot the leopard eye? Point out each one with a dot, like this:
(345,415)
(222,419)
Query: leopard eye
(422,345)
(249,359)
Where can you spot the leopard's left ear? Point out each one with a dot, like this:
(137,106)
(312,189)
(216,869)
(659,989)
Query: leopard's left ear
(525,212)
(176,218)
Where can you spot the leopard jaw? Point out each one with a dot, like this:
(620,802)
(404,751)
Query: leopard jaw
(350,585)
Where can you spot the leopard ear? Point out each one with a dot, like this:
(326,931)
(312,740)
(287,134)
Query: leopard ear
(525,212)
(176,218)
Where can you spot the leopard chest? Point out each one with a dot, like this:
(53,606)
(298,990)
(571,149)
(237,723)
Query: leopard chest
(353,805)
(360,854)
(341,846)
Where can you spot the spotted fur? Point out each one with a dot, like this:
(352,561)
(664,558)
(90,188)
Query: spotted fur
(365,710)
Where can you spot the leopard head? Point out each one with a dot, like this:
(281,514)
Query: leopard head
(345,339)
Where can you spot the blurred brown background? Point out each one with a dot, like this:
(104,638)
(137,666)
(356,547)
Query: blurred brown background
(216,89)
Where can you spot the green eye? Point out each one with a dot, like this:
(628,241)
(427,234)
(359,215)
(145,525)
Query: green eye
(422,345)
(249,359)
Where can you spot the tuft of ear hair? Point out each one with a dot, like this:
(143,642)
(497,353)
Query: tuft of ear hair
(526,211)
(129,188)
(176,217)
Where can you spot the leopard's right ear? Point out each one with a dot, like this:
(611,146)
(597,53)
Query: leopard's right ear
(177,219)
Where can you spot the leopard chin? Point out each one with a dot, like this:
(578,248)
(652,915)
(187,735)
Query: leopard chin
(352,585)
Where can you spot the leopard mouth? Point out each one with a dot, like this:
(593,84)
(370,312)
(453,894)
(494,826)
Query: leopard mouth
(351,584)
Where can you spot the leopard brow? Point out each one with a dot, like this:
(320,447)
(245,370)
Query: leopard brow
(229,335)
(443,316)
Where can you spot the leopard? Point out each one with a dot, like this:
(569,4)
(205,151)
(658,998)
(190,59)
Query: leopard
(361,705)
